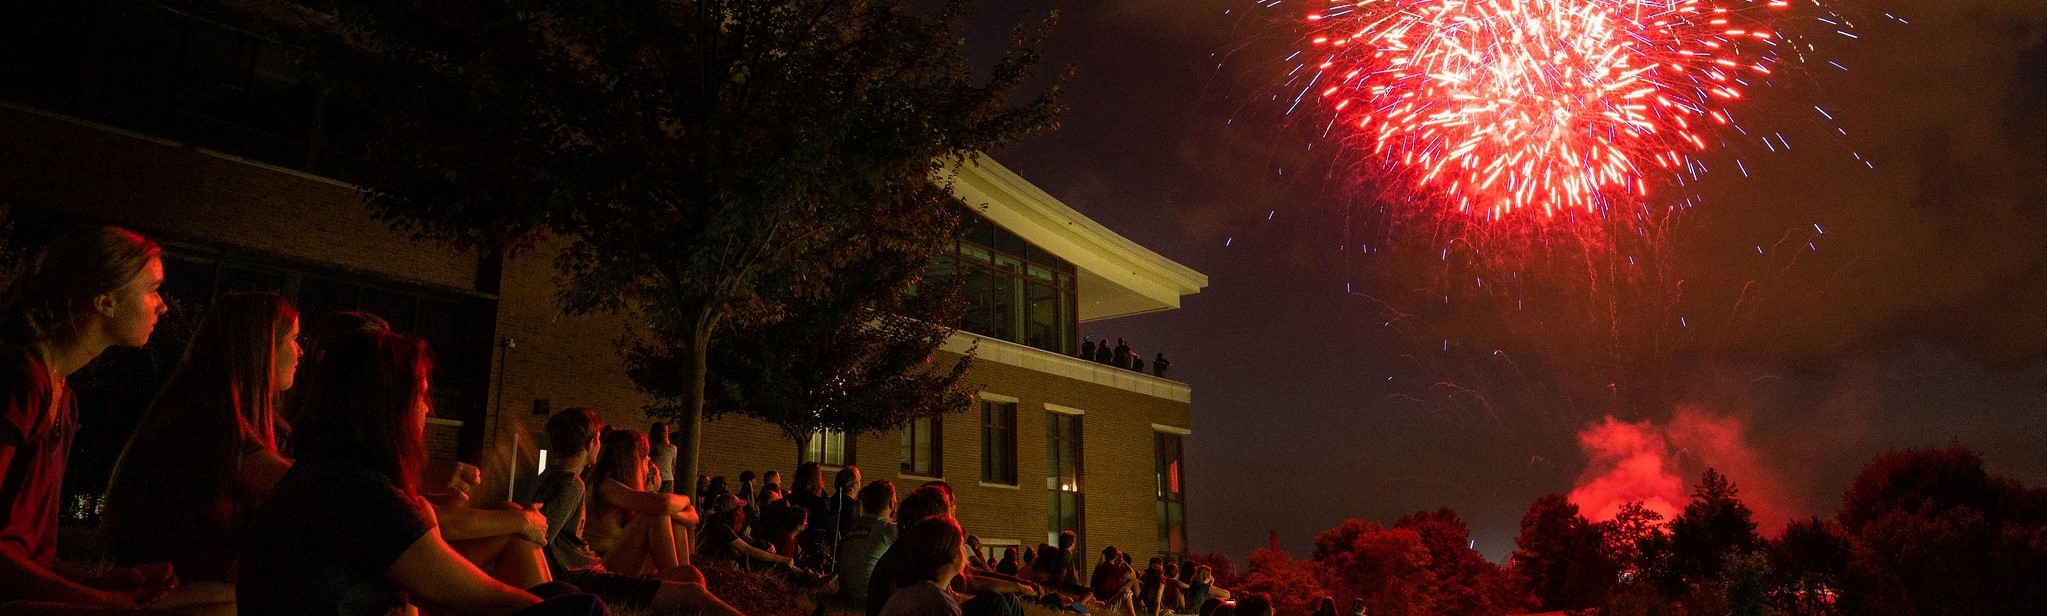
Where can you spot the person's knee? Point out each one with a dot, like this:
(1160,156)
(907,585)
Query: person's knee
(685,573)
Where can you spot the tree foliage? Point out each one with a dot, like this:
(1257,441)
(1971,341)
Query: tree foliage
(1560,555)
(1388,568)
(1294,585)
(701,162)
(854,360)
(1713,526)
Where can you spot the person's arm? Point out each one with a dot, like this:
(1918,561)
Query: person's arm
(465,523)
(20,576)
(1218,592)
(981,581)
(740,546)
(641,501)
(436,576)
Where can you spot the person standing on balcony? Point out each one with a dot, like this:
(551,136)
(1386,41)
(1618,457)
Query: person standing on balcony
(1121,358)
(1087,348)
(1159,365)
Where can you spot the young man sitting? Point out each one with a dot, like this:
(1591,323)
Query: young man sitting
(559,494)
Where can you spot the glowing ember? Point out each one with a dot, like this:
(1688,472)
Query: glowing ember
(1501,107)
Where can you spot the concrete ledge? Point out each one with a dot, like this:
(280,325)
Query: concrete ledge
(1040,360)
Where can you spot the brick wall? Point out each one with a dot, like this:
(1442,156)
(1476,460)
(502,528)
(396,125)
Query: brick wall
(76,168)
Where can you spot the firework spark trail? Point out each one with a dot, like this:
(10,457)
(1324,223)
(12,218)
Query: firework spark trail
(1545,107)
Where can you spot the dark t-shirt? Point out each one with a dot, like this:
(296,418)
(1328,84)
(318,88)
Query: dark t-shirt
(1109,580)
(882,582)
(715,540)
(560,494)
(325,540)
(33,478)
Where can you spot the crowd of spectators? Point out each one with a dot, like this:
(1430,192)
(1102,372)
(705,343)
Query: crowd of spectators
(285,472)
(1121,356)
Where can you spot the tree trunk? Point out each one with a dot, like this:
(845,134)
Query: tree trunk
(688,431)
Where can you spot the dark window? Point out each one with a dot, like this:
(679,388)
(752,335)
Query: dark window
(1014,291)
(1064,507)
(922,446)
(143,67)
(1171,492)
(998,442)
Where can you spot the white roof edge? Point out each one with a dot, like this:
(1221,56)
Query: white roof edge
(1054,216)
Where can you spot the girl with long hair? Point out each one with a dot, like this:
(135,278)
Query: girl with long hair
(205,452)
(84,292)
(346,530)
(636,530)
(935,551)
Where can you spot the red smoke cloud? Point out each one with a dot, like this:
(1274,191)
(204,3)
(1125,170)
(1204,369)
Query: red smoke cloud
(1641,461)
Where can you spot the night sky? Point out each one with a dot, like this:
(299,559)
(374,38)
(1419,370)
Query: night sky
(1787,328)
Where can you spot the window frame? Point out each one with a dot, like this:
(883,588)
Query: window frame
(1002,436)
(907,458)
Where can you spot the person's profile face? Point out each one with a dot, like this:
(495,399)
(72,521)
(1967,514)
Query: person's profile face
(131,311)
(285,356)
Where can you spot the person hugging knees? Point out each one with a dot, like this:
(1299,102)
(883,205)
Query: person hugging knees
(573,437)
(636,530)
(88,290)
(346,529)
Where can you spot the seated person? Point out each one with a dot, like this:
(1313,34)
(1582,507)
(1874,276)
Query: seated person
(1203,588)
(572,436)
(1173,594)
(780,524)
(869,537)
(205,452)
(993,594)
(84,292)
(346,531)
(1114,583)
(1150,585)
(502,540)
(1054,568)
(935,553)
(636,530)
(723,536)
(1008,565)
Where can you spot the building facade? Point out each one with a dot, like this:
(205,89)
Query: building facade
(198,133)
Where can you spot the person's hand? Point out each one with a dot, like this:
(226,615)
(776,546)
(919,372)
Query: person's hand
(535,531)
(449,482)
(138,585)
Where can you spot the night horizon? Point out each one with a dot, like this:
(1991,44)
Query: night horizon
(1901,327)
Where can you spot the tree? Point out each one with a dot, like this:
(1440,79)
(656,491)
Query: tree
(1388,568)
(1623,537)
(686,155)
(1936,532)
(1714,525)
(1466,583)
(1558,552)
(1808,564)
(1294,585)
(853,360)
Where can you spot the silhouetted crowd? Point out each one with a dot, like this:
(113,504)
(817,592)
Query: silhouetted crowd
(286,472)
(1121,356)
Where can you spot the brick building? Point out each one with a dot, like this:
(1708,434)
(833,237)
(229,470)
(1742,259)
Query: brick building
(198,134)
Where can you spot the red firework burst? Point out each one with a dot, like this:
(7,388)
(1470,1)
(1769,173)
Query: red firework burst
(1507,107)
